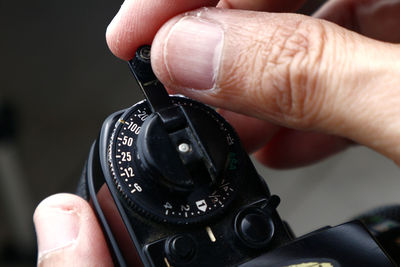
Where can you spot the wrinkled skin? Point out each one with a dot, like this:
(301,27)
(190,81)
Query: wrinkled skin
(296,88)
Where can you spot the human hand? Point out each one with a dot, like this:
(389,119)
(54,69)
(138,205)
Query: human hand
(298,72)
(68,233)
(295,71)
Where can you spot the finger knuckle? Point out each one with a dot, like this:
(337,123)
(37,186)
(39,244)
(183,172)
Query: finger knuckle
(293,68)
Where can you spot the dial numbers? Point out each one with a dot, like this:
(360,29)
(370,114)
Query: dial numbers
(146,195)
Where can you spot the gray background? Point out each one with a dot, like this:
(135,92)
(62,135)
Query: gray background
(57,73)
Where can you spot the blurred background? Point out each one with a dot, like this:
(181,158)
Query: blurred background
(58,82)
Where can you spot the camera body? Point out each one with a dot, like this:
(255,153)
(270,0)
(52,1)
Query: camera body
(172,186)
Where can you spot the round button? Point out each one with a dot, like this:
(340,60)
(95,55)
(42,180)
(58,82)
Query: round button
(254,228)
(180,248)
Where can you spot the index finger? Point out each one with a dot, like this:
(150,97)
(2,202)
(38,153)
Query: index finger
(138,21)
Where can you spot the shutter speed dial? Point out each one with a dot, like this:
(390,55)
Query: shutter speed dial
(176,147)
(178,168)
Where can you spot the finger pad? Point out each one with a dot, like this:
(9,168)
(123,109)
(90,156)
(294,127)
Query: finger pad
(137,23)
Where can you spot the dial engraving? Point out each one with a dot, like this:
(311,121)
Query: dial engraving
(146,194)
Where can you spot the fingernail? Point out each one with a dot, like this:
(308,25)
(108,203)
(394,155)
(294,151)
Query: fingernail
(192,53)
(56,228)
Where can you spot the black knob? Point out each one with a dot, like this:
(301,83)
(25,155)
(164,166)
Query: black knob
(180,248)
(254,227)
(180,153)
(162,170)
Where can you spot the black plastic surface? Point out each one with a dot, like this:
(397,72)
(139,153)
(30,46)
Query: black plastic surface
(346,245)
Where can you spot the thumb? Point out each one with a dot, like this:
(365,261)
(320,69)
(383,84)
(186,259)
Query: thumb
(68,233)
(294,70)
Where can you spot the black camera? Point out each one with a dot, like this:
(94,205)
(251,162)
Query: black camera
(172,186)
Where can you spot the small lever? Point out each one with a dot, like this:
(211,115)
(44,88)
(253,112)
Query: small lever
(151,87)
(271,204)
(172,129)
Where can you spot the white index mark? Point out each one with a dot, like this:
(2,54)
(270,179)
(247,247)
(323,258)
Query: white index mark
(210,234)
(167,263)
